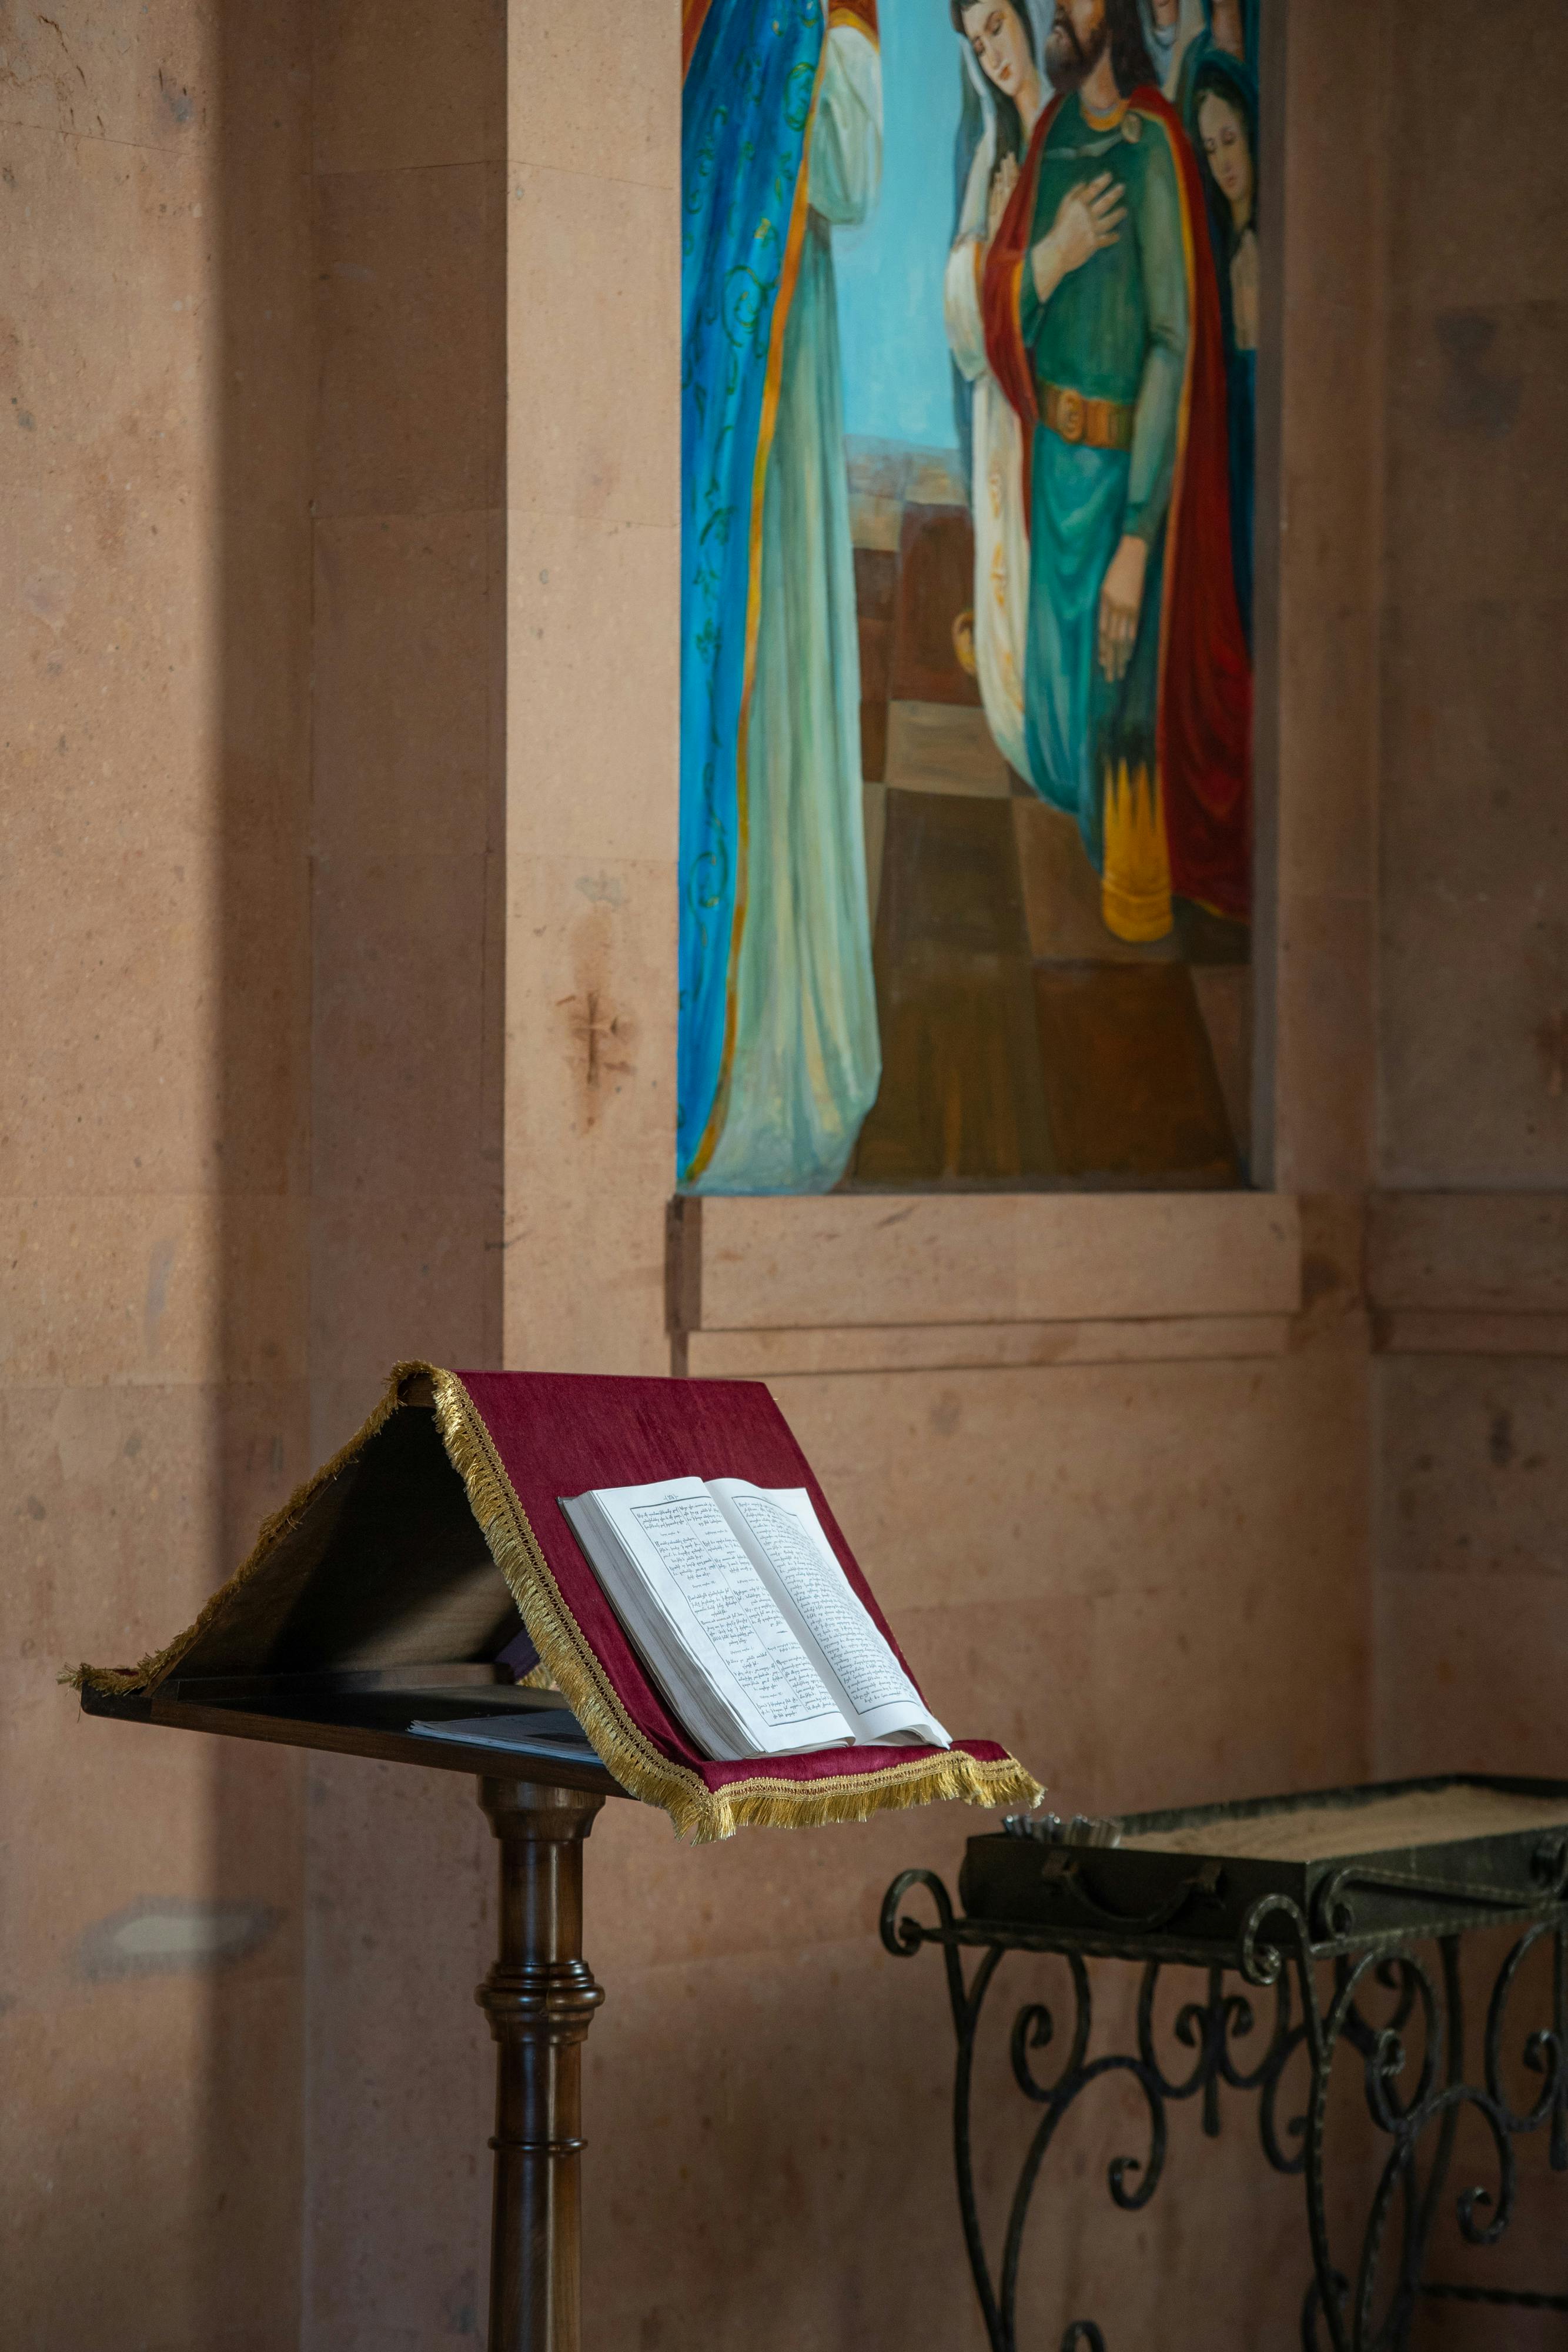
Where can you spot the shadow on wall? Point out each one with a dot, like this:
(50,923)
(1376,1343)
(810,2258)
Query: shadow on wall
(360,201)
(243,2252)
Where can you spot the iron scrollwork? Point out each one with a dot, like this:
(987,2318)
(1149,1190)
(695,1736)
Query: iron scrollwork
(1320,1985)
(1210,2029)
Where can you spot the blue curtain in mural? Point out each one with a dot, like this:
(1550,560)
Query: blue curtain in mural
(750,74)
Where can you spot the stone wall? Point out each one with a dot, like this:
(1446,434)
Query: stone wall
(1468,1265)
(155,705)
(1473,1148)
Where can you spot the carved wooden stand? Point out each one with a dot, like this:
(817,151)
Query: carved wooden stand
(539,1998)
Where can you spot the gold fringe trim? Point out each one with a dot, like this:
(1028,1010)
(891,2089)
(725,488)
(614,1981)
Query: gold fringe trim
(568,1665)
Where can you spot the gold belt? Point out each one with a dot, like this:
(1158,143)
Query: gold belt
(1102,424)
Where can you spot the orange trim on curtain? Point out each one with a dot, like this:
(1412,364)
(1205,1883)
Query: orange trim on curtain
(694,16)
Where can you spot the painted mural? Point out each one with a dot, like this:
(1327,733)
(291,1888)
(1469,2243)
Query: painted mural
(970,300)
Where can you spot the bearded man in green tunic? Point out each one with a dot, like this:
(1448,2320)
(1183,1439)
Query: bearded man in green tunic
(1103,331)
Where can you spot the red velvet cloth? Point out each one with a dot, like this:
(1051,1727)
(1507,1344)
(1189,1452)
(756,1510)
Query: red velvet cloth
(561,1432)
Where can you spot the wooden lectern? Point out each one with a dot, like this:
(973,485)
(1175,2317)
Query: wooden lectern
(408,1583)
(539,1997)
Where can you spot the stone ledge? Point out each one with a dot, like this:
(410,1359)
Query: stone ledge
(982,1347)
(1413,1332)
(845,1262)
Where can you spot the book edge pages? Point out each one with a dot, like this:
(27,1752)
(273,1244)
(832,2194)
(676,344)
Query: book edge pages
(797,1502)
(662,1661)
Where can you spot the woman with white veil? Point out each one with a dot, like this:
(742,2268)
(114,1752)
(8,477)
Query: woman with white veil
(1003,43)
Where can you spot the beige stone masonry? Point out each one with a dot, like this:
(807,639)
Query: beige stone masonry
(1474,1254)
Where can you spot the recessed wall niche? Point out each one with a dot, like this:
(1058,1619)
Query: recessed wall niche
(971,302)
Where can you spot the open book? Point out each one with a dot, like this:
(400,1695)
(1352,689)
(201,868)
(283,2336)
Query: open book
(735,1601)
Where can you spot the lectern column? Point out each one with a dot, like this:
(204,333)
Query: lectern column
(540,1999)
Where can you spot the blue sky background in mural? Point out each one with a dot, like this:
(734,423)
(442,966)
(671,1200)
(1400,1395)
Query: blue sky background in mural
(898,383)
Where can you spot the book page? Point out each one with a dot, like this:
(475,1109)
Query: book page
(544,1732)
(782,1523)
(690,1557)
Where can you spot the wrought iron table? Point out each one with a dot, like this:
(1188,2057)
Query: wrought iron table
(1321,1903)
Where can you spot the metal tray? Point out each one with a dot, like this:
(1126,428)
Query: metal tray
(1360,1864)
